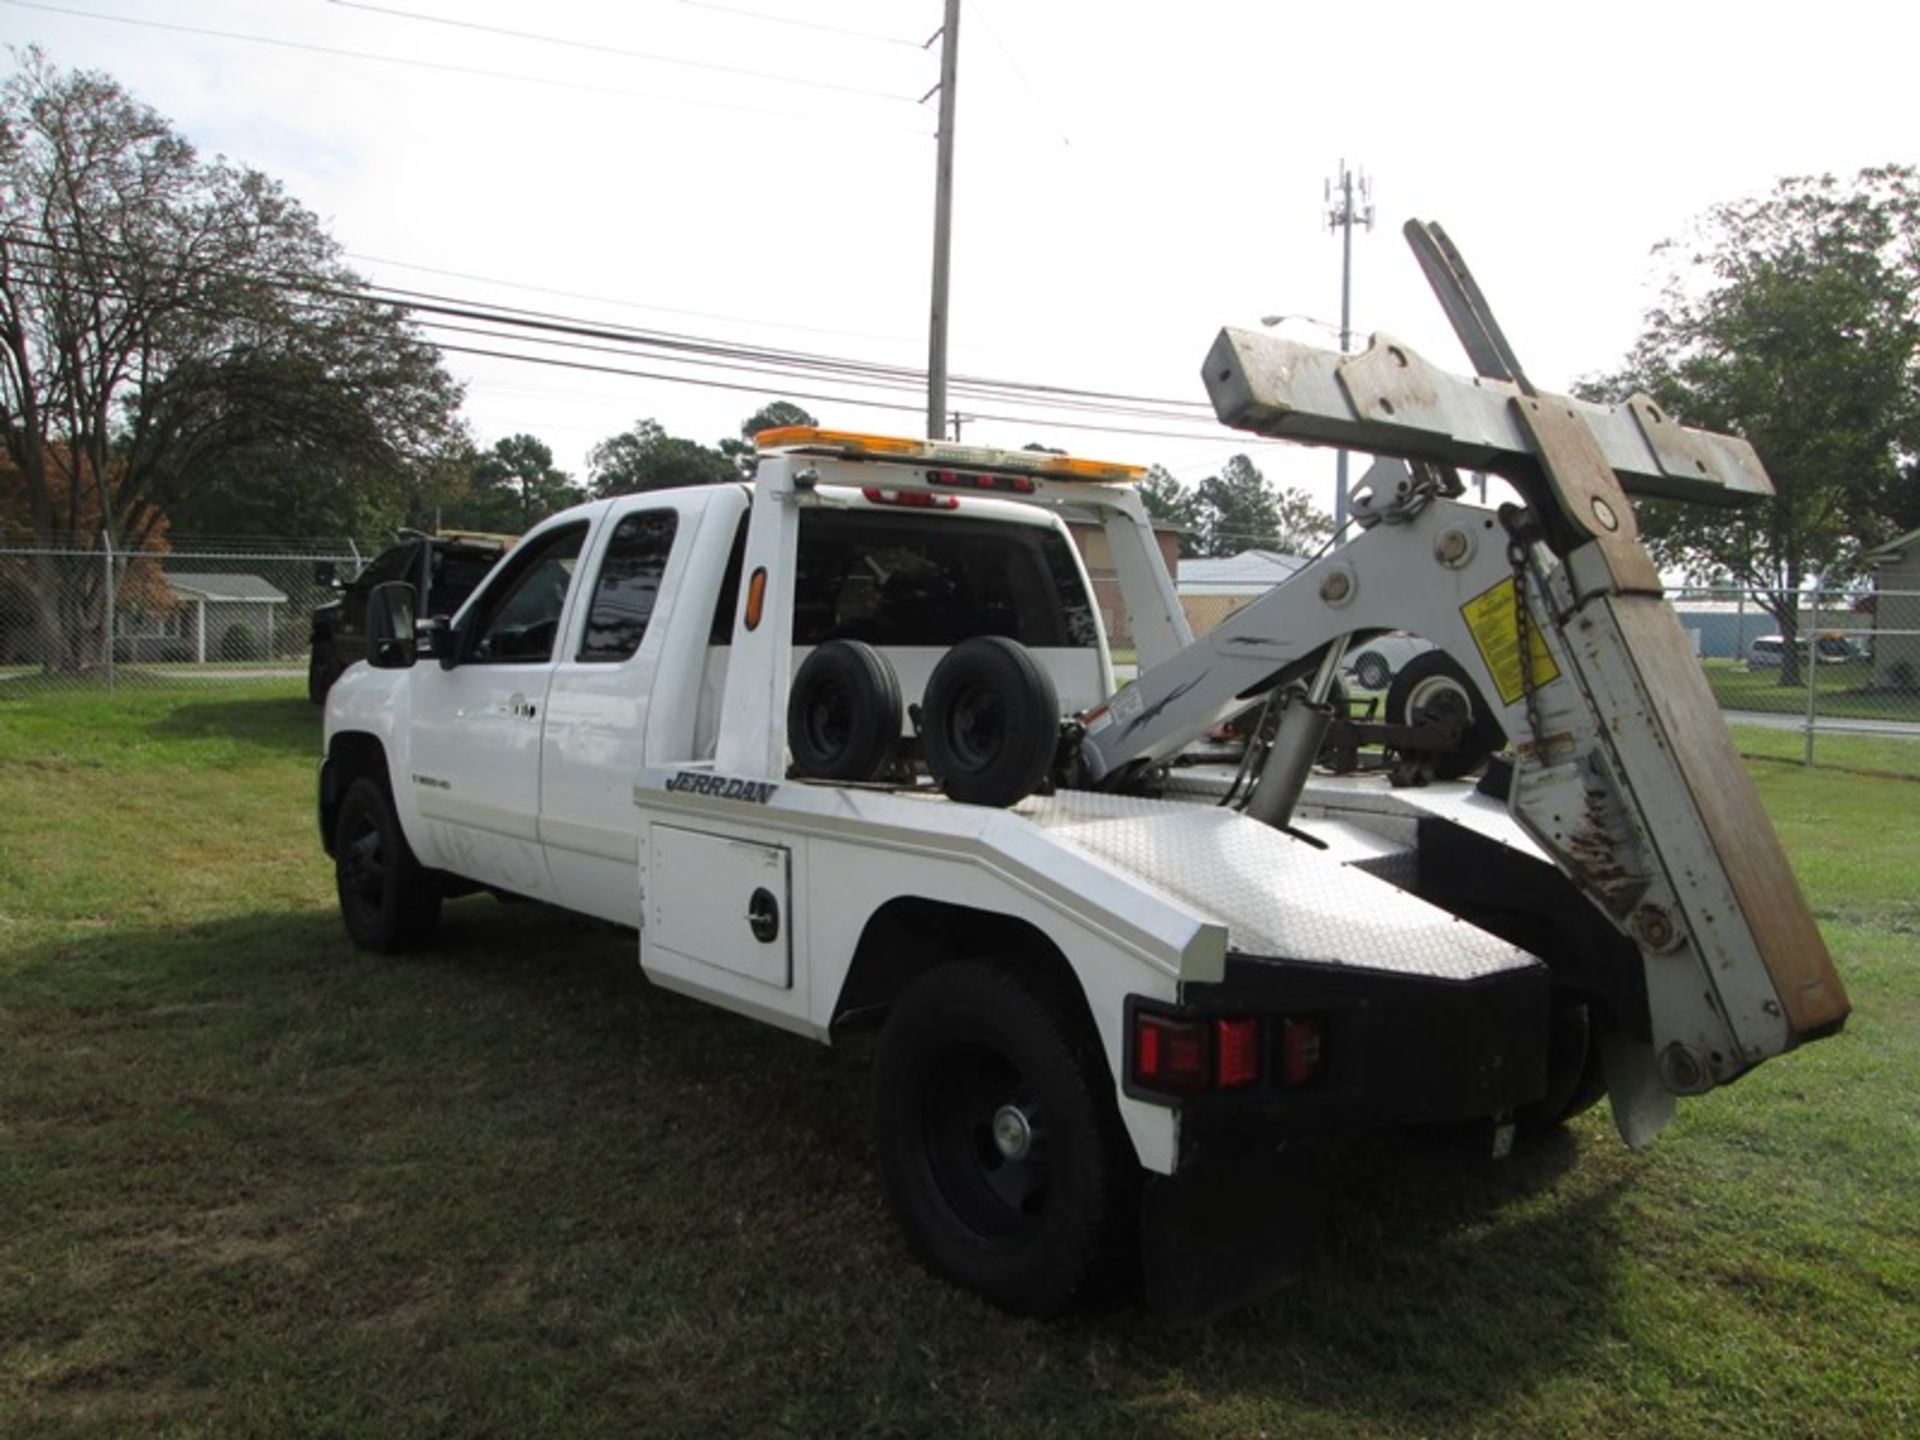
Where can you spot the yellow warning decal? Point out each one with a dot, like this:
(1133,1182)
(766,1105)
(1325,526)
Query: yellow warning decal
(1490,616)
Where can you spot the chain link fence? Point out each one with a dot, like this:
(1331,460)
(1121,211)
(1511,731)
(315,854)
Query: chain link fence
(1838,685)
(98,615)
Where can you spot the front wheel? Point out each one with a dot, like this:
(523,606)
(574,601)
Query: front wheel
(322,670)
(998,1138)
(388,900)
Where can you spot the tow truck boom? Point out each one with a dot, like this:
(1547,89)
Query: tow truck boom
(1625,773)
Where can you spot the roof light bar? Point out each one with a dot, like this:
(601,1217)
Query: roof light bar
(942,455)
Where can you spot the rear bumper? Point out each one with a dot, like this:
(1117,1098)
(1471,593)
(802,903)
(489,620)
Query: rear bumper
(1237,1219)
(1400,1050)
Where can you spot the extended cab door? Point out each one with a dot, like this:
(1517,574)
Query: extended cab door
(625,690)
(475,755)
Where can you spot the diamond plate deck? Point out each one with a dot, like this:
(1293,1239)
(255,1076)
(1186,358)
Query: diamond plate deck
(1276,895)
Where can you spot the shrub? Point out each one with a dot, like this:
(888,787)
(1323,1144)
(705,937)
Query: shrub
(240,643)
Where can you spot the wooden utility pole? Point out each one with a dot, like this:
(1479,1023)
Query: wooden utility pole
(949,38)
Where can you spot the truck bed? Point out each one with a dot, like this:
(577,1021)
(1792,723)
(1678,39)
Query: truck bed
(1278,895)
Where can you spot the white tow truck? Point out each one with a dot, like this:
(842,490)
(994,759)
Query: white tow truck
(844,745)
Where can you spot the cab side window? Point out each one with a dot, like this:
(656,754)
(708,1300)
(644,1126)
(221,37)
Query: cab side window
(519,618)
(628,584)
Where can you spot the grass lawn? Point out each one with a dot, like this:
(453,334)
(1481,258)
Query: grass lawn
(1865,755)
(254,1182)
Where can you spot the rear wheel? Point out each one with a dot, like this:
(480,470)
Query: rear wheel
(1432,689)
(388,899)
(1372,672)
(1575,1079)
(998,1138)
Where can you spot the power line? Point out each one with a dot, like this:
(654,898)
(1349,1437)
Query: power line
(473,71)
(429,303)
(803,24)
(1053,421)
(602,48)
(775,364)
(1019,74)
(905,381)
(623,304)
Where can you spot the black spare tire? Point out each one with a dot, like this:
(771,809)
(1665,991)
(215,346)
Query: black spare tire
(843,713)
(991,722)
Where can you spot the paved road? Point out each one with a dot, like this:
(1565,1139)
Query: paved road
(1825,724)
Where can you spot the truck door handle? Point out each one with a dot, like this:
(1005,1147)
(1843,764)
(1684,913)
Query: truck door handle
(763,916)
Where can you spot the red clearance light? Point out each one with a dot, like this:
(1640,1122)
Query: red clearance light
(1303,1050)
(1236,1053)
(916,498)
(1012,484)
(1169,1054)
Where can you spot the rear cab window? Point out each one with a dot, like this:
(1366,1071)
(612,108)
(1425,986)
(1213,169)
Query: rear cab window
(918,580)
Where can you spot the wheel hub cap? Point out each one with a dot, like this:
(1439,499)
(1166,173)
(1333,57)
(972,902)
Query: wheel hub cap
(1012,1133)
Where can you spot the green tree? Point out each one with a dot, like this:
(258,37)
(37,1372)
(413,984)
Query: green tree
(1167,500)
(1239,510)
(170,326)
(647,458)
(1793,319)
(512,488)
(739,449)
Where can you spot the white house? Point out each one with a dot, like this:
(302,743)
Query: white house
(1896,615)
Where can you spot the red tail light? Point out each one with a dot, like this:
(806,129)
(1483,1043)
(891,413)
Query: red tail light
(1169,1054)
(1236,1053)
(1175,1055)
(1303,1050)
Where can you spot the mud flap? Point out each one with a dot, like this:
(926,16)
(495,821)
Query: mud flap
(1642,1105)
(1219,1237)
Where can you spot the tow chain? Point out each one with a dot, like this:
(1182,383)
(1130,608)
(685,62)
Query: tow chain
(1523,631)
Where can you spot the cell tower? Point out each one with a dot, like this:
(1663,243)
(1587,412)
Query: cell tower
(1349,199)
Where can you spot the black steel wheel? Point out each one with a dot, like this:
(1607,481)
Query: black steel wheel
(991,722)
(843,714)
(998,1137)
(1372,671)
(1576,1080)
(389,901)
(1431,689)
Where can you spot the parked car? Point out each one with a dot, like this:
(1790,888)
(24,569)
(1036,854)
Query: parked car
(1374,665)
(443,570)
(1769,651)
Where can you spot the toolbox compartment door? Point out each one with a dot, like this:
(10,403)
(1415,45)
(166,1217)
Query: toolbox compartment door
(720,901)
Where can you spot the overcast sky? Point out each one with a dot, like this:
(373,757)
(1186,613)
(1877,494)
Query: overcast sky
(1130,176)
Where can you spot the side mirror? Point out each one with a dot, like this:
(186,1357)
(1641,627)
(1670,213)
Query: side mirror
(392,640)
